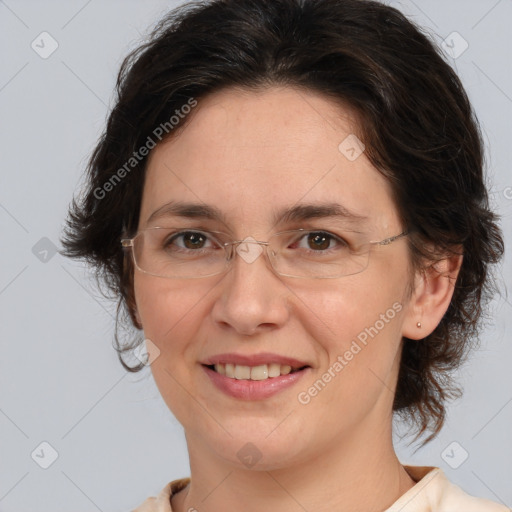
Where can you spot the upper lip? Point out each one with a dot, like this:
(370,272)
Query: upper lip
(254,360)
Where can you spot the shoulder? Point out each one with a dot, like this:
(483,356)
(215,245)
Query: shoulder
(162,502)
(453,498)
(433,492)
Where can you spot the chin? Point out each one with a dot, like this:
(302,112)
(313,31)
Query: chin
(255,449)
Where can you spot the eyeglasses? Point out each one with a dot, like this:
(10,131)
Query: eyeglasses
(189,253)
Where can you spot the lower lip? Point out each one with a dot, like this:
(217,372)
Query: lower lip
(253,389)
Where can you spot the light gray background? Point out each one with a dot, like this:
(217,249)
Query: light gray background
(60,380)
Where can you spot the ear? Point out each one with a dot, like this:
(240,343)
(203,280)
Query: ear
(433,291)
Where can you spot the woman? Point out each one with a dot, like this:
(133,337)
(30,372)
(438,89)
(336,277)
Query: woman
(289,202)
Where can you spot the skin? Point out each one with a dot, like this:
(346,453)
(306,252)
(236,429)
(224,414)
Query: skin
(249,153)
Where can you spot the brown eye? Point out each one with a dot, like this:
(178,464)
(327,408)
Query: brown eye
(319,241)
(191,240)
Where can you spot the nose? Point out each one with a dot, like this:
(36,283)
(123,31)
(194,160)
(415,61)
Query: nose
(252,298)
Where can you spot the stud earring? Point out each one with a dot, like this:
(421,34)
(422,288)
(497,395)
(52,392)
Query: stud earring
(418,325)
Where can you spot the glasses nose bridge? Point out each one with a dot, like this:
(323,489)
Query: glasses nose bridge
(230,247)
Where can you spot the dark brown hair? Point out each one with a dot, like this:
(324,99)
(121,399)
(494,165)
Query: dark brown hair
(415,120)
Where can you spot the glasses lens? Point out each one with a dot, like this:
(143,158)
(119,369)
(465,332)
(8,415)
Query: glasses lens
(182,253)
(315,254)
(173,252)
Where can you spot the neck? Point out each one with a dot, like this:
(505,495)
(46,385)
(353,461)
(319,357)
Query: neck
(354,475)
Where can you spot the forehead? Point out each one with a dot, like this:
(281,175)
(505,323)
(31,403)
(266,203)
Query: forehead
(250,154)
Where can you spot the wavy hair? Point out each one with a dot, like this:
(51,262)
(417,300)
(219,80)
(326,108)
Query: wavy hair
(416,122)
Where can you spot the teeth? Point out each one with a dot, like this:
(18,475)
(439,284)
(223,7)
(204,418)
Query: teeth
(261,372)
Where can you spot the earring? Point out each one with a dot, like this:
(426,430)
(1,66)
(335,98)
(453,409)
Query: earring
(418,325)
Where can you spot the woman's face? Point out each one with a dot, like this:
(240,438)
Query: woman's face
(251,156)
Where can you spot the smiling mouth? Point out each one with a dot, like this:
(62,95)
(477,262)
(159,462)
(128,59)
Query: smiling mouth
(260,372)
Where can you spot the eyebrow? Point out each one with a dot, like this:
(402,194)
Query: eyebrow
(299,212)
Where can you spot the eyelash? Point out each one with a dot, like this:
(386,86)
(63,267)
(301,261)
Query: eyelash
(330,236)
(181,234)
(327,234)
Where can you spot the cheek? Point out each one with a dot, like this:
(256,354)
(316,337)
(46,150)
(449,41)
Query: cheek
(170,312)
(359,364)
(172,315)
(359,333)
(354,308)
